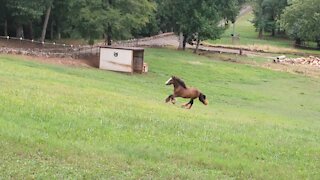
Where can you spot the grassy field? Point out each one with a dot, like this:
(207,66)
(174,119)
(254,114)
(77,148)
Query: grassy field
(249,38)
(68,123)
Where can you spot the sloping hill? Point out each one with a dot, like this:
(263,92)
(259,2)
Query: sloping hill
(248,39)
(59,122)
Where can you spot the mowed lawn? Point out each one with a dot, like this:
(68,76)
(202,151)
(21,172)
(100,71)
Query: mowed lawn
(248,38)
(82,123)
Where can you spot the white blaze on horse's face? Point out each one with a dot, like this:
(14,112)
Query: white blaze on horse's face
(167,83)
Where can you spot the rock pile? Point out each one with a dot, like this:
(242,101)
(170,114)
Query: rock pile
(311,60)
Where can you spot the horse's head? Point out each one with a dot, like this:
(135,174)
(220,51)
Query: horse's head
(203,99)
(176,82)
(170,80)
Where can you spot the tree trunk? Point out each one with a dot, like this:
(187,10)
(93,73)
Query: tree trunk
(298,41)
(109,38)
(318,44)
(234,29)
(20,32)
(260,36)
(273,28)
(184,41)
(109,29)
(197,46)
(109,35)
(31,30)
(59,32)
(273,32)
(45,24)
(51,30)
(180,40)
(5,27)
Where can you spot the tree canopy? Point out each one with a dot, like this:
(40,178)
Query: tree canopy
(122,19)
(266,15)
(197,18)
(76,18)
(301,20)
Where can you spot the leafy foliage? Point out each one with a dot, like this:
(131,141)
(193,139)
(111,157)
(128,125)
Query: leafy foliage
(122,19)
(301,20)
(266,15)
(193,18)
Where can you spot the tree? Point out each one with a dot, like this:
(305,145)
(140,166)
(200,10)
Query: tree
(266,14)
(193,18)
(301,20)
(23,12)
(259,20)
(61,18)
(45,23)
(206,23)
(230,9)
(4,16)
(116,19)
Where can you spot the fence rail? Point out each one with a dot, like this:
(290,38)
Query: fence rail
(13,45)
(22,40)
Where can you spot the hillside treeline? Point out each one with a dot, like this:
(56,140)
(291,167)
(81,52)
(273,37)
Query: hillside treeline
(297,19)
(122,19)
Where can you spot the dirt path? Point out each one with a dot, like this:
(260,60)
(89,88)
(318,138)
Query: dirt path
(170,39)
(58,61)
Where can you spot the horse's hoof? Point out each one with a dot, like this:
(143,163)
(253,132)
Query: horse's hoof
(189,107)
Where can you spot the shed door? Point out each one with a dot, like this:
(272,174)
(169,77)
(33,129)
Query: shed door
(138,61)
(116,59)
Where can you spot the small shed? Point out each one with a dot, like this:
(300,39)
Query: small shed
(123,59)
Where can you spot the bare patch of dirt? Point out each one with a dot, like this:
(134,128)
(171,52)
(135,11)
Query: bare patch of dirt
(195,63)
(306,70)
(295,69)
(59,61)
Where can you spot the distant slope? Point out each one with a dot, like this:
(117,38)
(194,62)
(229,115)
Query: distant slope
(248,38)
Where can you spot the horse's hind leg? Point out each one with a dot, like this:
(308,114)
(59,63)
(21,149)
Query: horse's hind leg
(190,104)
(186,104)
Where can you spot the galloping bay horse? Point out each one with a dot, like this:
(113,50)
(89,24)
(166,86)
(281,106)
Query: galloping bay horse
(181,90)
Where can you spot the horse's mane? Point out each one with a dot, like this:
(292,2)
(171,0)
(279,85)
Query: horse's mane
(180,82)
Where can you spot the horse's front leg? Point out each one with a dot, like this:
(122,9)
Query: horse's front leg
(171,98)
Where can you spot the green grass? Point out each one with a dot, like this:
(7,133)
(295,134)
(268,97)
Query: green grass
(62,122)
(249,37)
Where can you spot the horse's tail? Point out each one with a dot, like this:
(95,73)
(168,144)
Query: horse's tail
(203,99)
